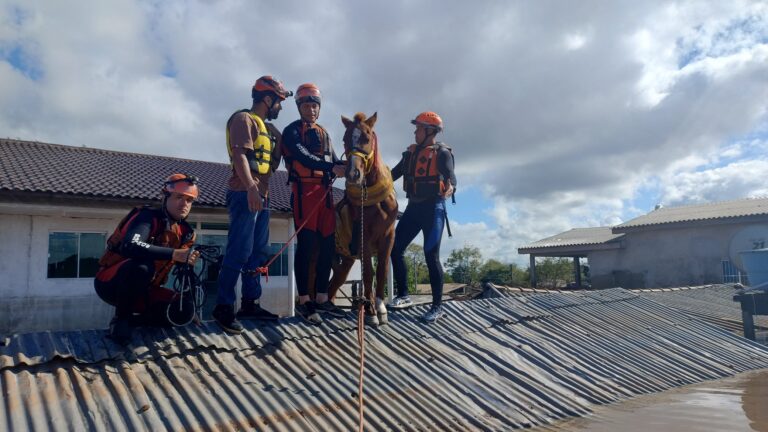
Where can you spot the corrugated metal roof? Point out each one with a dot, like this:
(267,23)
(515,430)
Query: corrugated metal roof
(495,364)
(25,166)
(710,303)
(575,237)
(699,212)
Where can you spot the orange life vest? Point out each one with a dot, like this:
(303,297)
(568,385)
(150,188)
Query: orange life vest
(422,179)
(177,236)
(297,172)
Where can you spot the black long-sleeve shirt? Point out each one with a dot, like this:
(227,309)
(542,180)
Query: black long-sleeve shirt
(306,152)
(138,237)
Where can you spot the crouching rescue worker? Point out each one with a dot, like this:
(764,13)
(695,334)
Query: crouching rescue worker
(140,254)
(428,179)
(254,151)
(312,165)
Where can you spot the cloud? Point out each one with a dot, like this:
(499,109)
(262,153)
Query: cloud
(566,114)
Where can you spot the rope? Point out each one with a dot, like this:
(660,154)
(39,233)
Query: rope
(264,270)
(187,282)
(361,311)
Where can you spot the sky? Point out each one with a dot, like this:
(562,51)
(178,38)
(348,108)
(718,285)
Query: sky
(560,114)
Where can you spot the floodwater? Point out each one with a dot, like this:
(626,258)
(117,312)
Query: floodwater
(739,403)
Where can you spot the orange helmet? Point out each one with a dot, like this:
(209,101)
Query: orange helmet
(307,93)
(429,119)
(183,184)
(267,83)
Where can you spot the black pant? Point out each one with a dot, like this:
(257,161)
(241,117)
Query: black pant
(429,218)
(306,242)
(127,286)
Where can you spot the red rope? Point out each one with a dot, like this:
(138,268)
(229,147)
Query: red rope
(265,268)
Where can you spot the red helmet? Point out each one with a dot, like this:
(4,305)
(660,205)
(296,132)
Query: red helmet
(183,184)
(429,119)
(267,83)
(307,93)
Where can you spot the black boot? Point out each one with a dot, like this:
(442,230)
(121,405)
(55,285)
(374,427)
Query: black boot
(120,330)
(225,316)
(253,311)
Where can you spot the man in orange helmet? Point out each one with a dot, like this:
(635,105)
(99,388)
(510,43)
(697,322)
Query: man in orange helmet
(428,179)
(254,151)
(140,254)
(312,165)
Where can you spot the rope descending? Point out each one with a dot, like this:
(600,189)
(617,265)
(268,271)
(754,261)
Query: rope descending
(190,295)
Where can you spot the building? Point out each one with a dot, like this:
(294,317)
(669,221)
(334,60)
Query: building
(668,247)
(58,204)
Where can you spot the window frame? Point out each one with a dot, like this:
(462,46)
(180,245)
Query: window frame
(79,233)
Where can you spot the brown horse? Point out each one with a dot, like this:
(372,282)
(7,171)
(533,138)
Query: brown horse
(370,194)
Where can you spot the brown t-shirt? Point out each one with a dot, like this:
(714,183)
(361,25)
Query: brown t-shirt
(243,131)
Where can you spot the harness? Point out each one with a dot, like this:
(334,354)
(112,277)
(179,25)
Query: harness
(260,158)
(316,139)
(422,178)
(162,233)
(375,193)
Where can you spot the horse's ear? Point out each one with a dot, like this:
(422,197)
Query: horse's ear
(347,122)
(371,120)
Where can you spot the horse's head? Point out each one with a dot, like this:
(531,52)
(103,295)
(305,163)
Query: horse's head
(359,146)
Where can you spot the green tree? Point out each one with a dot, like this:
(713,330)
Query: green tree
(464,264)
(417,267)
(554,272)
(503,273)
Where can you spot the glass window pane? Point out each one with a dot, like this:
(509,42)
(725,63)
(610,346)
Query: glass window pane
(62,255)
(92,246)
(214,226)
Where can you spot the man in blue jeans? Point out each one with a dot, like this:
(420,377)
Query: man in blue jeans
(254,151)
(428,179)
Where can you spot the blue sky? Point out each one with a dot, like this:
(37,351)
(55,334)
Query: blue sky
(561,114)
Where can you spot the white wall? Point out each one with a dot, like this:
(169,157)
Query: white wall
(30,301)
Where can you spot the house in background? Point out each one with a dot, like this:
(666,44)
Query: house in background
(668,247)
(58,204)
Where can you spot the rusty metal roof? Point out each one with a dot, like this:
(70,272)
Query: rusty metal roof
(699,212)
(495,364)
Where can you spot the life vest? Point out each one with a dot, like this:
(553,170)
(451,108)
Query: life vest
(422,179)
(176,236)
(260,158)
(315,139)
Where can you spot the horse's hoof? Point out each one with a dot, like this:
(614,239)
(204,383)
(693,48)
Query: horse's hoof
(372,320)
(383,319)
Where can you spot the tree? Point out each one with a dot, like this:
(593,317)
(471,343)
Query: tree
(464,264)
(554,272)
(503,273)
(417,267)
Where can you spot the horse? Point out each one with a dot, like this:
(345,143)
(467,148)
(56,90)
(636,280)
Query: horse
(370,199)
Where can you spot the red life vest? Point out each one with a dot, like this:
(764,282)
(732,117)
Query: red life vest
(297,172)
(176,236)
(422,179)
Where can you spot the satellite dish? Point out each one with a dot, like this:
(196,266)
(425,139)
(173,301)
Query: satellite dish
(749,238)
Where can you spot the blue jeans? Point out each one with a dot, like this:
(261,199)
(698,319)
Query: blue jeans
(429,218)
(247,249)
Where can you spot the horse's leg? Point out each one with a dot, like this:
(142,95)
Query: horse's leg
(341,267)
(384,249)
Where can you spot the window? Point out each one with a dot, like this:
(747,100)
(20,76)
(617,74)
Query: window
(731,274)
(74,255)
(280,266)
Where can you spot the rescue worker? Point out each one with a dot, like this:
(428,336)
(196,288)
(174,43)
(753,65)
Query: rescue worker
(254,151)
(428,179)
(140,254)
(312,166)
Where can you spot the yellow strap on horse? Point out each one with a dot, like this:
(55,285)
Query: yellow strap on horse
(375,193)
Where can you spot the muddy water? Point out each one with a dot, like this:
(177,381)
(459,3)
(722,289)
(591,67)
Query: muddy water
(739,403)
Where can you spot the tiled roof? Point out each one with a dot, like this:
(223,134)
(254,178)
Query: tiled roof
(699,212)
(27,166)
(496,364)
(575,237)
